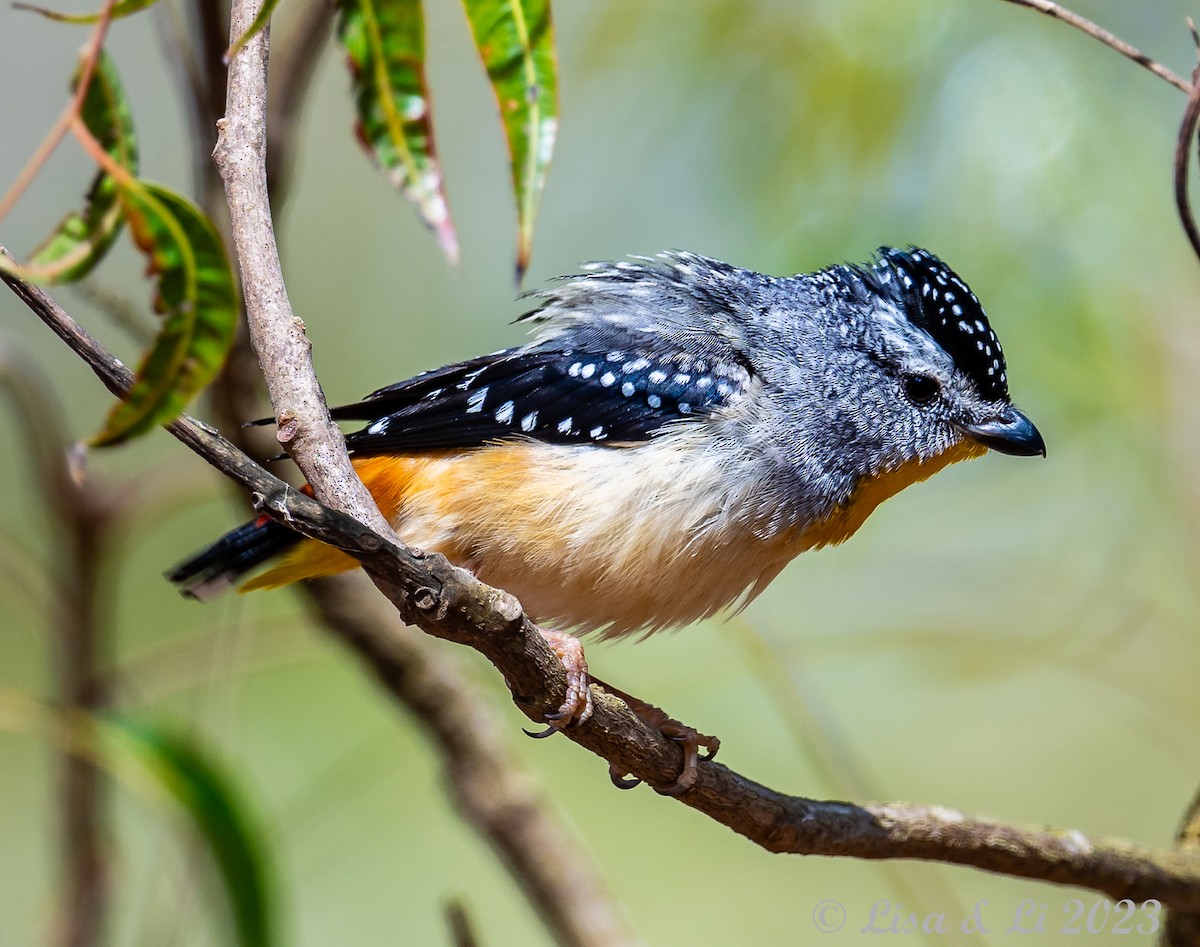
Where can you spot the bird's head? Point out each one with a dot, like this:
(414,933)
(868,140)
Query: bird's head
(892,370)
(936,350)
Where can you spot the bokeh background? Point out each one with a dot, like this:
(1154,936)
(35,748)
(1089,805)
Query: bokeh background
(1015,638)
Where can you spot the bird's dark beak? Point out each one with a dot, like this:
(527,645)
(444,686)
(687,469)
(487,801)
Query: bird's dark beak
(1011,433)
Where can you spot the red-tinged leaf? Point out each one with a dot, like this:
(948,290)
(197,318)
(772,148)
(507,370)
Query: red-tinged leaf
(263,18)
(515,39)
(197,298)
(385,48)
(82,238)
(120,8)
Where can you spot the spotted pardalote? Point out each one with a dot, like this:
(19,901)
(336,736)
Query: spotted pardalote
(674,433)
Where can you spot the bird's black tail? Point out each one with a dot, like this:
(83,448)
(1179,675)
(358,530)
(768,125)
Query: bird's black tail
(216,568)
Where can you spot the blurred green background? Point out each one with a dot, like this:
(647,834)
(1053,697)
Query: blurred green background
(1015,638)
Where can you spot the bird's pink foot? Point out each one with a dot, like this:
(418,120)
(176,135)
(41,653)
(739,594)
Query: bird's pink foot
(577,706)
(689,739)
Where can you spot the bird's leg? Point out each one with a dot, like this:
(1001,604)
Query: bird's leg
(577,706)
(689,738)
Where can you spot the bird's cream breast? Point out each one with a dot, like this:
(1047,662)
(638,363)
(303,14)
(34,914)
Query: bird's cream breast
(598,537)
(623,539)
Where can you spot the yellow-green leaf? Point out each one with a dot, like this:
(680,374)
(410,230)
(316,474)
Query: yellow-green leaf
(515,39)
(209,797)
(385,49)
(120,8)
(197,297)
(82,238)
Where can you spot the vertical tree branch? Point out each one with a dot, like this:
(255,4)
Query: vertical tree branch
(492,791)
(84,514)
(284,353)
(209,18)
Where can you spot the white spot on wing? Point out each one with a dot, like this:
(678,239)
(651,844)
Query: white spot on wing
(475,401)
(504,413)
(529,422)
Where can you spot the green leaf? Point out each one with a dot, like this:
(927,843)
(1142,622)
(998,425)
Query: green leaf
(515,39)
(120,8)
(197,298)
(209,797)
(385,48)
(264,17)
(172,770)
(81,239)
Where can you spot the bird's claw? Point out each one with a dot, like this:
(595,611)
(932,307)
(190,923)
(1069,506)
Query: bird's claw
(690,741)
(622,781)
(576,707)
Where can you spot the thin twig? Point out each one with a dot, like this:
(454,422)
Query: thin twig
(1183,155)
(451,604)
(72,110)
(462,932)
(1085,25)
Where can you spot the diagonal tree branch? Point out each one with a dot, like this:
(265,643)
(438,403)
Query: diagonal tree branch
(451,604)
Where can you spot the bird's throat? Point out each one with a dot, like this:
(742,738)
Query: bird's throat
(870,491)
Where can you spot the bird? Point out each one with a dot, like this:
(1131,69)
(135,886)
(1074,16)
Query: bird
(675,432)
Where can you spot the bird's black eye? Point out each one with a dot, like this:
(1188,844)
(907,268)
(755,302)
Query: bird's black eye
(921,389)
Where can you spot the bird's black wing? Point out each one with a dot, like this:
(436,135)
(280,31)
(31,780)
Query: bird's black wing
(551,392)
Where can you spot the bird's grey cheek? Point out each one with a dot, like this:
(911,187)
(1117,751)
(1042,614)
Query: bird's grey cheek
(844,427)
